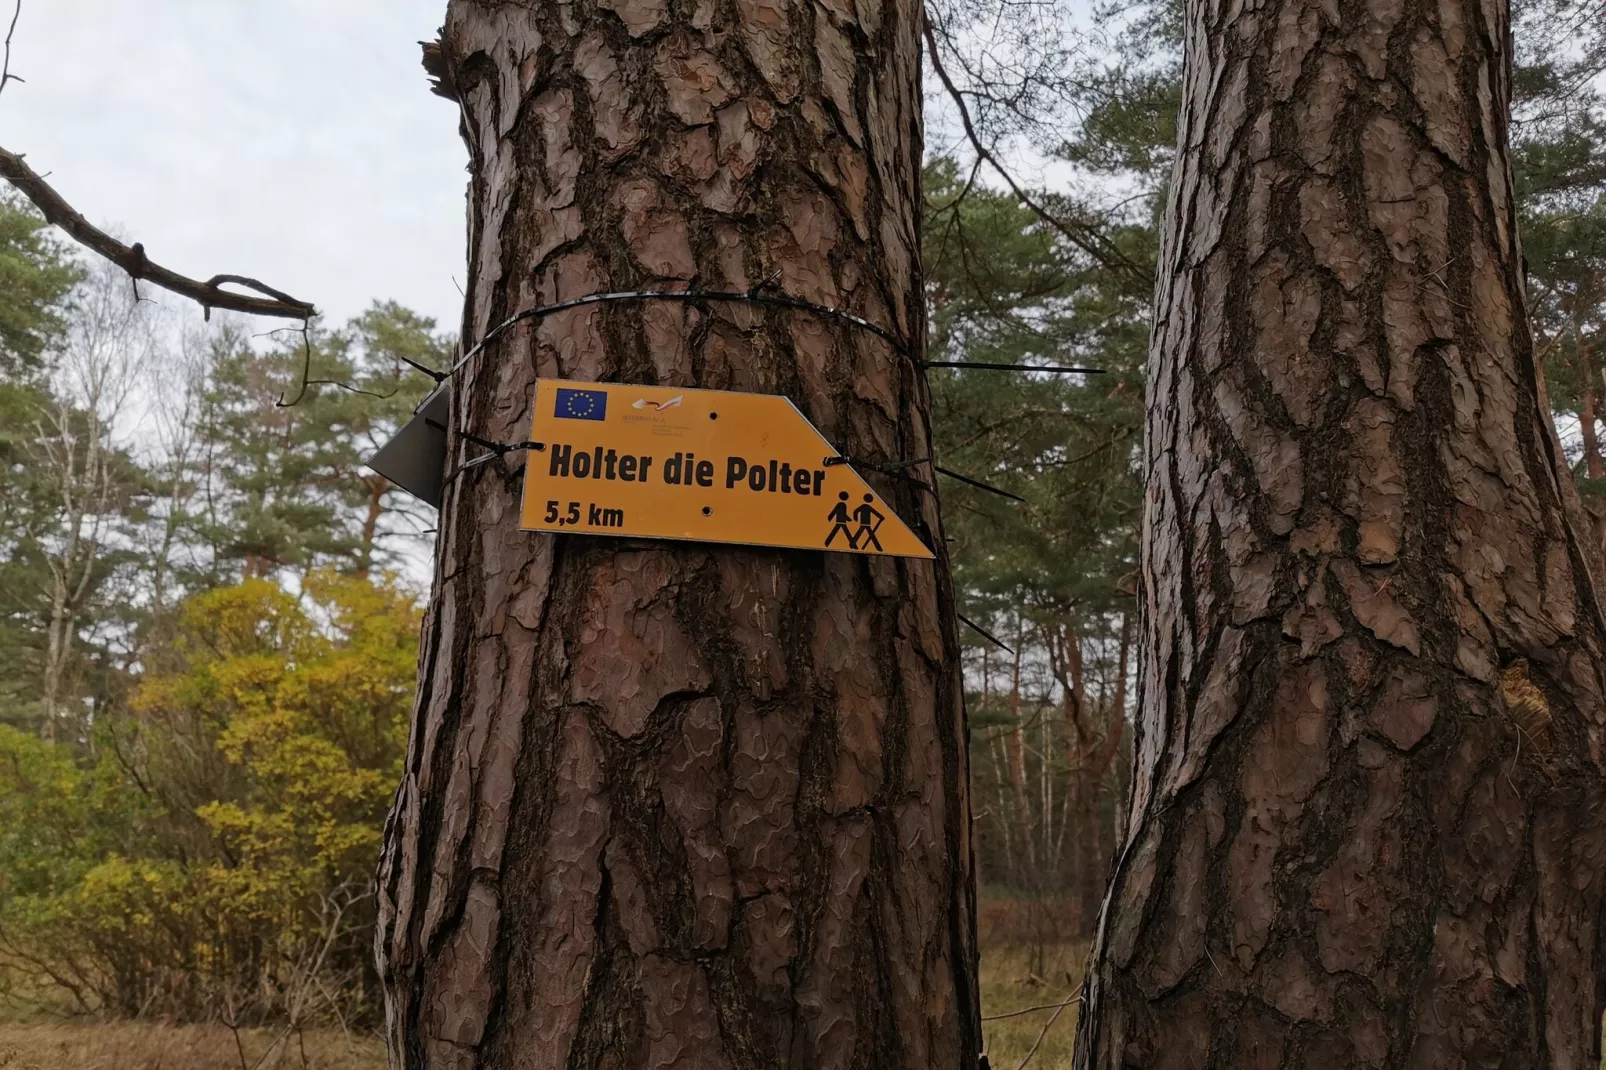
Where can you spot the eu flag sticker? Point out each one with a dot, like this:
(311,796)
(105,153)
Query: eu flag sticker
(581,404)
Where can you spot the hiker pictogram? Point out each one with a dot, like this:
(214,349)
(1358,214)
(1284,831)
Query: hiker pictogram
(870,520)
(839,516)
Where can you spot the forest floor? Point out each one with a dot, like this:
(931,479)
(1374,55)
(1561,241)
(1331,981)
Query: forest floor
(1014,978)
(1007,985)
(147,1046)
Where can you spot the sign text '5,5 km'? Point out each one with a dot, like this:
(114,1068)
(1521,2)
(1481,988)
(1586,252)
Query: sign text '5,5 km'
(708,465)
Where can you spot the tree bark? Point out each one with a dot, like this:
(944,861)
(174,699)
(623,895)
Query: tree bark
(1366,824)
(665,805)
(1016,747)
(1123,761)
(377,485)
(1004,811)
(1083,772)
(1092,766)
(1594,466)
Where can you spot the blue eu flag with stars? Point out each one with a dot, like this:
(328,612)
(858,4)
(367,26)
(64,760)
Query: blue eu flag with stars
(582,404)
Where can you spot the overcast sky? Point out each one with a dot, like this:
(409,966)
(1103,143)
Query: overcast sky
(295,141)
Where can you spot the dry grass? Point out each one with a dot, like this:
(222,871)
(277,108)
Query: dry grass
(145,1046)
(139,1046)
(1010,983)
(1015,977)
(1012,978)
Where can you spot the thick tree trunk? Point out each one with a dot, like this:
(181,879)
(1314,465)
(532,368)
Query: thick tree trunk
(670,805)
(1366,825)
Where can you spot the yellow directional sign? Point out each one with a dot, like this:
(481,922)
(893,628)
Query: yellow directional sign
(709,465)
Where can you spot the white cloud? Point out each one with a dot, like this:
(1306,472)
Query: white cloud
(296,141)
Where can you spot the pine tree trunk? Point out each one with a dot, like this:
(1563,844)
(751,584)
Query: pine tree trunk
(1112,766)
(1016,746)
(1081,787)
(377,486)
(1367,824)
(1004,810)
(1594,466)
(1093,858)
(668,805)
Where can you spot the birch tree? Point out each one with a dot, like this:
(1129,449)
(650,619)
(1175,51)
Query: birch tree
(79,454)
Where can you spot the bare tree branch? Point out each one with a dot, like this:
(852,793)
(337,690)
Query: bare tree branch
(1086,238)
(1029,1010)
(5,65)
(1044,1032)
(132,259)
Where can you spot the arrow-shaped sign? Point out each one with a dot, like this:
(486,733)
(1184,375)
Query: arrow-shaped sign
(706,465)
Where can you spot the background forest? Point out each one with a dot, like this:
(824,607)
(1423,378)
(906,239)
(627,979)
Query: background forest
(208,607)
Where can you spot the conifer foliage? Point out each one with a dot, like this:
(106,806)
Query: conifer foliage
(207,654)
(209,608)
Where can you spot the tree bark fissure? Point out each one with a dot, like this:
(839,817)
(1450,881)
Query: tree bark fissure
(1365,824)
(685,806)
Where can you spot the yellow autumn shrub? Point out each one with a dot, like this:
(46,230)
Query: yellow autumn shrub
(218,861)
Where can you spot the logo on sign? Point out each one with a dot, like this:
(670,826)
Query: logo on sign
(581,405)
(659,406)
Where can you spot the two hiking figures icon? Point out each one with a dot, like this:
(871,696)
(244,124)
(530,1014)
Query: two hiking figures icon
(868,518)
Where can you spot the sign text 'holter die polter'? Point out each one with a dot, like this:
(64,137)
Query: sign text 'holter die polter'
(707,465)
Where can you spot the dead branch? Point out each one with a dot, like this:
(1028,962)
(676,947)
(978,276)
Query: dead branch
(1085,238)
(5,65)
(1030,1010)
(305,331)
(1046,1027)
(439,69)
(132,258)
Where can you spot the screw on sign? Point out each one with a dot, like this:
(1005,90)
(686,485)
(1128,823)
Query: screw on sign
(707,465)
